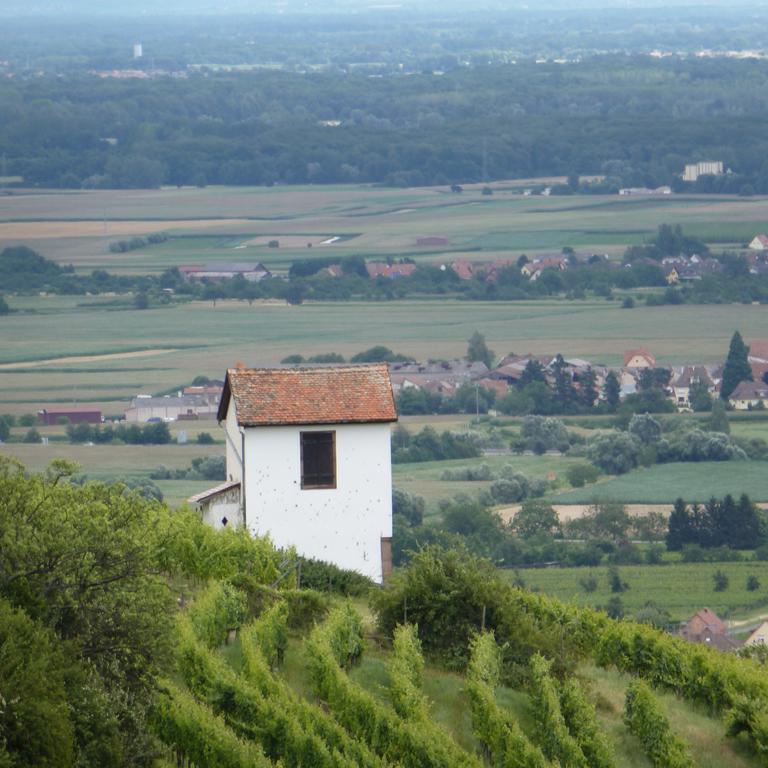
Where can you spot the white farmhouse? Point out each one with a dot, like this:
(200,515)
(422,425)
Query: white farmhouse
(308,455)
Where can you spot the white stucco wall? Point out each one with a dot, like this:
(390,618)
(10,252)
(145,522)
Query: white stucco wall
(343,525)
(234,447)
(219,507)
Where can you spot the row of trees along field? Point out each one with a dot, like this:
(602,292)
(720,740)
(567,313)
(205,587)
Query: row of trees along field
(25,271)
(636,120)
(100,665)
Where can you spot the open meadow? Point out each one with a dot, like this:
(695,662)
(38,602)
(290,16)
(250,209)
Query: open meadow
(236,224)
(84,350)
(663,483)
(679,588)
(100,351)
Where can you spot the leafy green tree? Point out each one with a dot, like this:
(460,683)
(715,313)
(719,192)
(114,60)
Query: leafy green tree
(645,428)
(616,583)
(744,527)
(653,379)
(82,561)
(533,372)
(535,517)
(615,453)
(612,391)
(564,391)
(477,350)
(379,354)
(718,419)
(4,308)
(35,724)
(446,594)
(409,506)
(32,436)
(608,520)
(588,393)
(737,368)
(681,527)
(699,397)
(580,474)
(721,581)
(543,433)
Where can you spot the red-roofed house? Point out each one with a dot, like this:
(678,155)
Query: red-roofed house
(639,358)
(382,269)
(464,269)
(759,243)
(748,395)
(708,628)
(758,351)
(310,448)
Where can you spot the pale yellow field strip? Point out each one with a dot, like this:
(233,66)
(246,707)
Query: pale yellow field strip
(19,230)
(568,512)
(86,358)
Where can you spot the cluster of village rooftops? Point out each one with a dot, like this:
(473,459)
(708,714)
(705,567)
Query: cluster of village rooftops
(445,377)
(677,269)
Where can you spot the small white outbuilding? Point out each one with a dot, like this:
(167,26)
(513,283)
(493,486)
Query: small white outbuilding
(308,455)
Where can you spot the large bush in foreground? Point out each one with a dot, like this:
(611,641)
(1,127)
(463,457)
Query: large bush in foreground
(450,595)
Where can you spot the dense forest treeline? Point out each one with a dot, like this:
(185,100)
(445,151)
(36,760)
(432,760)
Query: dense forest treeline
(633,119)
(342,34)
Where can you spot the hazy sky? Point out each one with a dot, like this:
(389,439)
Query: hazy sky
(145,7)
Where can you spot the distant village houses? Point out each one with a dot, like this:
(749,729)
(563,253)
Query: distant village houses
(225,271)
(76,415)
(193,404)
(391,271)
(692,171)
(707,628)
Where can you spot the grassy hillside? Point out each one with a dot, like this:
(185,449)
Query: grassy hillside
(449,705)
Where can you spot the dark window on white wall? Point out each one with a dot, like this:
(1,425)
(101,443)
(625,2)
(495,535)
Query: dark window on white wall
(318,459)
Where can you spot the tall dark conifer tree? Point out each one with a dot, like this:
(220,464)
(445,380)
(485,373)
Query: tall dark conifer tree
(737,368)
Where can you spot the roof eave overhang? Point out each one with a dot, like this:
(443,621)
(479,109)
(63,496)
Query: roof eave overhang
(314,423)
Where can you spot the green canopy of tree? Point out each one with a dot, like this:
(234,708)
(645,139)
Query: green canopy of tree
(737,368)
(477,350)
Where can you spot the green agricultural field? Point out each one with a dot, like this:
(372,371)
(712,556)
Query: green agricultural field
(680,588)
(220,223)
(96,346)
(114,462)
(423,479)
(663,483)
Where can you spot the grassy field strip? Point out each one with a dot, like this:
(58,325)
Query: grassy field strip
(75,359)
(693,587)
(77,227)
(663,483)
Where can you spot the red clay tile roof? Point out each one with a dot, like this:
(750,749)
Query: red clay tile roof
(321,395)
(640,352)
(758,350)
